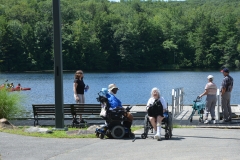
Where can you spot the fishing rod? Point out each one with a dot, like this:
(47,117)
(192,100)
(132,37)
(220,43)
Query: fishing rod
(4,82)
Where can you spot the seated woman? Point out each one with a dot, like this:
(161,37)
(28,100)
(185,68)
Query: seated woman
(156,106)
(115,103)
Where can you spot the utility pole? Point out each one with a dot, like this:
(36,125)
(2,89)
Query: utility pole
(59,112)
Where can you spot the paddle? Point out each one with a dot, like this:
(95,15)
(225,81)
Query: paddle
(4,82)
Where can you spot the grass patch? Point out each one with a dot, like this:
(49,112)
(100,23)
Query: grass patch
(134,128)
(56,133)
(181,126)
(63,134)
(11,104)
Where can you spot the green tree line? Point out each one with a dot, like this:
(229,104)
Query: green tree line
(98,35)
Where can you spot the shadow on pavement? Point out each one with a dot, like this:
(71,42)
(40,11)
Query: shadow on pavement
(203,137)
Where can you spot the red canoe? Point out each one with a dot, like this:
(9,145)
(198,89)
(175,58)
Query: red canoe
(16,89)
(22,89)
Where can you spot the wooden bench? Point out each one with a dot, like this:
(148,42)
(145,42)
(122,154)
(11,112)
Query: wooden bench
(69,109)
(85,109)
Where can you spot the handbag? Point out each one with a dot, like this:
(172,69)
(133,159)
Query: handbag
(155,108)
(103,112)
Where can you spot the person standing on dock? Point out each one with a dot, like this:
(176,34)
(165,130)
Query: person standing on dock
(226,89)
(210,91)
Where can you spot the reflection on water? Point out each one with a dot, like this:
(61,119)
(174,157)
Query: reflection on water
(134,87)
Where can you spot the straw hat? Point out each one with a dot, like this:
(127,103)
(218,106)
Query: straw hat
(111,87)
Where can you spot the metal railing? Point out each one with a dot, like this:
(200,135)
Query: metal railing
(218,104)
(177,101)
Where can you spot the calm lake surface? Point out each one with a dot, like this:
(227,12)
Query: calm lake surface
(135,87)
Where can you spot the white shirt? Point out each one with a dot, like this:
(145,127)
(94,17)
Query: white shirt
(212,88)
(162,100)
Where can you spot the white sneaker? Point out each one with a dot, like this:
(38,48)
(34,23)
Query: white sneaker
(158,137)
(214,121)
(206,121)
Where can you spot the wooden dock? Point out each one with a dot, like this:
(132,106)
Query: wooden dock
(139,111)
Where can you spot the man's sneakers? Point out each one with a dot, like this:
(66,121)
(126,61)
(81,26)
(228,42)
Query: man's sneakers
(227,120)
(213,121)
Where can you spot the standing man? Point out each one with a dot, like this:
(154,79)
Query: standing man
(226,89)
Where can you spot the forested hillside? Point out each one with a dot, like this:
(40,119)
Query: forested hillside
(98,35)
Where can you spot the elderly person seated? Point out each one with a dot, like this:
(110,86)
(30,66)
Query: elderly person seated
(115,103)
(156,106)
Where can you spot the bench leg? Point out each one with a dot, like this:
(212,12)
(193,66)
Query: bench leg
(35,121)
(75,122)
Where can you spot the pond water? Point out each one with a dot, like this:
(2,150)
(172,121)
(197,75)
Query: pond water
(135,87)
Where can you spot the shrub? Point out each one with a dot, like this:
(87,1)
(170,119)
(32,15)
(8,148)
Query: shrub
(10,104)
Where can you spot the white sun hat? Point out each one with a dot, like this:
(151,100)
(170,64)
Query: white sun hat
(210,77)
(111,87)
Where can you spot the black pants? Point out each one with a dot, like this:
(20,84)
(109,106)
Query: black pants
(127,124)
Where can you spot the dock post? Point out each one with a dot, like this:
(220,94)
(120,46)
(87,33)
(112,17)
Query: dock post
(173,103)
(218,104)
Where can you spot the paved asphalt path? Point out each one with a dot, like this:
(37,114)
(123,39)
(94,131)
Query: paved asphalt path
(186,143)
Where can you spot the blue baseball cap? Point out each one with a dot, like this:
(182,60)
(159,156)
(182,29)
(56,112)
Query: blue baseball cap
(225,70)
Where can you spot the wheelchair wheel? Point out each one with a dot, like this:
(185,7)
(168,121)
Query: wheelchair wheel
(97,134)
(132,135)
(146,130)
(169,127)
(170,123)
(143,136)
(118,132)
(167,136)
(147,126)
(101,136)
(108,134)
(170,132)
(190,119)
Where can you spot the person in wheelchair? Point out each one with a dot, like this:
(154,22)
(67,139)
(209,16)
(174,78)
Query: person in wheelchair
(115,104)
(156,106)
